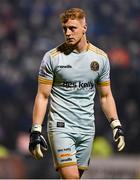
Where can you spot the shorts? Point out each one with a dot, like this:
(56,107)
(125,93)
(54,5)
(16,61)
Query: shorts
(70,149)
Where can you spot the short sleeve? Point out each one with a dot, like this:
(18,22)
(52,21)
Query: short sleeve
(104,77)
(46,70)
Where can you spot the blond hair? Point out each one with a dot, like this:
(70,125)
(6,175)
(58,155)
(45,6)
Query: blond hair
(73,13)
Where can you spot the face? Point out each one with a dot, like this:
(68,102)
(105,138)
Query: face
(74,30)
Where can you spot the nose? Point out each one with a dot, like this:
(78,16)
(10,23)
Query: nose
(67,32)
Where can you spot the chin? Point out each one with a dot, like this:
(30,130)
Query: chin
(71,43)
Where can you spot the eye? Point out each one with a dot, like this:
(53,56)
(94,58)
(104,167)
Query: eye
(72,28)
(64,29)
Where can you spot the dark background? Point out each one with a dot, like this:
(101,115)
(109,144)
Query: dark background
(29,28)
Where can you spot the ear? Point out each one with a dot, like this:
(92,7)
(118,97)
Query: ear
(85,29)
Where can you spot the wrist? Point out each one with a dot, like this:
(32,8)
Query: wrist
(115,123)
(36,127)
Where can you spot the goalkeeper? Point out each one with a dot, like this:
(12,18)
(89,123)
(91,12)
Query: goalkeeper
(68,76)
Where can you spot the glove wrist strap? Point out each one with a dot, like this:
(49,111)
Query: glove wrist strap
(36,127)
(115,123)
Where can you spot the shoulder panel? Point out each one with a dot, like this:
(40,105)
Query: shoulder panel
(54,52)
(97,50)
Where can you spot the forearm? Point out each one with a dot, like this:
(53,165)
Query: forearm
(37,141)
(109,107)
(39,109)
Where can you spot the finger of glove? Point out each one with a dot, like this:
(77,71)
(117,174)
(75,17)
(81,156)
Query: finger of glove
(117,133)
(121,143)
(37,153)
(44,144)
(114,135)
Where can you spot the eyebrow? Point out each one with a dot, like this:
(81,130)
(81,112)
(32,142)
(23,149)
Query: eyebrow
(64,27)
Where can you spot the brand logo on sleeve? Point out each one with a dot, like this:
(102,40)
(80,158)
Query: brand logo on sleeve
(94,66)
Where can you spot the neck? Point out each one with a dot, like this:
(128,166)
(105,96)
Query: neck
(82,45)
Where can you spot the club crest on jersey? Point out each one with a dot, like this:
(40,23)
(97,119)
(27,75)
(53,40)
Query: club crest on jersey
(94,66)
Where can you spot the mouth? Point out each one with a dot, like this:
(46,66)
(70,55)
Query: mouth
(70,40)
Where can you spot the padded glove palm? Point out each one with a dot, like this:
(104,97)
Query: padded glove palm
(37,144)
(118,134)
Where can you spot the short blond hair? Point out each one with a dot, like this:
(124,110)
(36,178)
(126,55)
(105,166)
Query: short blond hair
(73,13)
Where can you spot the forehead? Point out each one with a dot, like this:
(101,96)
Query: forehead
(74,22)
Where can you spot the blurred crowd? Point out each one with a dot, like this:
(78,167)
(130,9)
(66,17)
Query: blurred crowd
(29,28)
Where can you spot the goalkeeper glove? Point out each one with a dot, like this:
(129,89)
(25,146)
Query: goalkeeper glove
(118,134)
(37,142)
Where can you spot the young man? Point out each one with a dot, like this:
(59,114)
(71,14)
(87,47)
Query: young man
(67,76)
